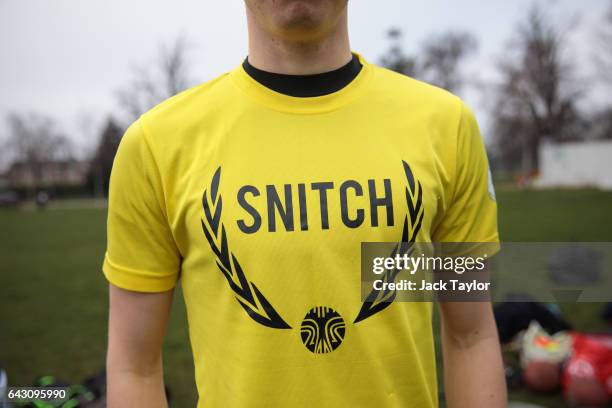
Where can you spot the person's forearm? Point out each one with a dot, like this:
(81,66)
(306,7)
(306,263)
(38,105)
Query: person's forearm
(473,371)
(134,368)
(135,388)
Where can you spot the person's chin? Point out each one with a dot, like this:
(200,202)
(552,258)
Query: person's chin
(302,15)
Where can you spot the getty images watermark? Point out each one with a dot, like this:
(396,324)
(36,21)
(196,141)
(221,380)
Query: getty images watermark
(516,271)
(433,264)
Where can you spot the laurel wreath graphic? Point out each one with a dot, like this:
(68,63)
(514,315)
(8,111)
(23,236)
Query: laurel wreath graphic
(255,303)
(247,294)
(379,300)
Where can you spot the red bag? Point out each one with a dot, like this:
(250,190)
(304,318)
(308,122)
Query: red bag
(587,377)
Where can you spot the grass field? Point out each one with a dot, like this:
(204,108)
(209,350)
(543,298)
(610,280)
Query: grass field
(53,305)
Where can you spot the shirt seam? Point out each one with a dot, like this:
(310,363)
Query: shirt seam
(135,272)
(161,181)
(456,164)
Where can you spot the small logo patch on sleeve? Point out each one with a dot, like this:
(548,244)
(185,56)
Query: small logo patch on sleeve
(491,186)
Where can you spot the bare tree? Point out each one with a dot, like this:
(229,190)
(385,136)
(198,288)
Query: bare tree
(5,154)
(603,55)
(151,84)
(33,140)
(87,124)
(438,60)
(102,161)
(602,119)
(443,55)
(538,93)
(396,59)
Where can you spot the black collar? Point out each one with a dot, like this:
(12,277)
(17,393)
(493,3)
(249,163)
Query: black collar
(306,85)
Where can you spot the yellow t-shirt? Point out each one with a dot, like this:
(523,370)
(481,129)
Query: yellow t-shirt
(259,202)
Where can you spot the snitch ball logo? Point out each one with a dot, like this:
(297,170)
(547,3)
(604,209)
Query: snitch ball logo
(322,329)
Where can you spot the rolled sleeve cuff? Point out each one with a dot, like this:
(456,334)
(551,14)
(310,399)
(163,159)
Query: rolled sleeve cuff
(137,280)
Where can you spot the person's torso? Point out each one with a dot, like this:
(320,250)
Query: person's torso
(269,207)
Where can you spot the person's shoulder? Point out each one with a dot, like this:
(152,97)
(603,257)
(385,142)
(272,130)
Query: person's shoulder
(404,89)
(174,121)
(189,104)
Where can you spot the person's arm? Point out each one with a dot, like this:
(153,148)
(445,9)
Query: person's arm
(137,323)
(473,368)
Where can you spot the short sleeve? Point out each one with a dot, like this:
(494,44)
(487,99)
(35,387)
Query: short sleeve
(471,216)
(141,254)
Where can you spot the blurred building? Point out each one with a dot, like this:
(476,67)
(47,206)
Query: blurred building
(576,164)
(64,173)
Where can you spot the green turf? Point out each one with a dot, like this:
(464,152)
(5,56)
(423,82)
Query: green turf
(53,304)
(564,215)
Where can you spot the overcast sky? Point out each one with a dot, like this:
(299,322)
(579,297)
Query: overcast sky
(66,58)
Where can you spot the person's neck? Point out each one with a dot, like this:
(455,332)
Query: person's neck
(282,56)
